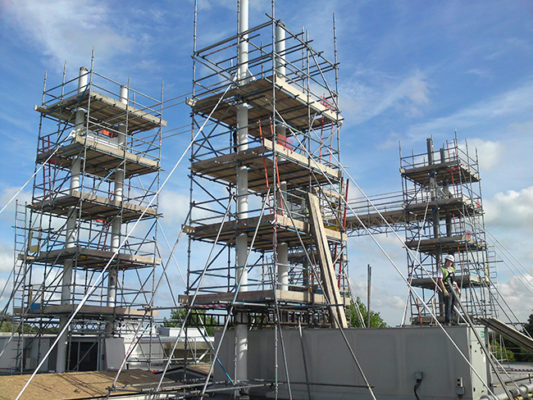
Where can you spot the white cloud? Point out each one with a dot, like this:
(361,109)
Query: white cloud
(174,207)
(387,301)
(254,5)
(6,258)
(370,94)
(489,152)
(6,286)
(478,72)
(23,197)
(68,30)
(517,294)
(481,116)
(511,209)
(383,300)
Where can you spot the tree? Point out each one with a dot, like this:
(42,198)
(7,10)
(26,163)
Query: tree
(520,354)
(376,321)
(499,349)
(529,326)
(197,319)
(6,325)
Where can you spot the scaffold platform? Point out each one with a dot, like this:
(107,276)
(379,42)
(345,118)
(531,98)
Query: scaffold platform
(292,104)
(464,281)
(449,172)
(94,207)
(104,109)
(447,244)
(36,310)
(288,230)
(292,167)
(256,296)
(94,259)
(101,157)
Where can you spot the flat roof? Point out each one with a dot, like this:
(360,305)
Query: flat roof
(77,385)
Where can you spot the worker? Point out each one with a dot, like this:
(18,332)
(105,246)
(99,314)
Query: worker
(447,284)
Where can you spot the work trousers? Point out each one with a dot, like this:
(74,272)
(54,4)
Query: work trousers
(449,304)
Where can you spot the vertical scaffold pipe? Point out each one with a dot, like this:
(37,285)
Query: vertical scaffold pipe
(70,233)
(116,224)
(241,244)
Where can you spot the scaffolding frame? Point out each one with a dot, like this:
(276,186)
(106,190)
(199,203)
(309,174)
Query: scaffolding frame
(286,166)
(447,181)
(440,210)
(99,150)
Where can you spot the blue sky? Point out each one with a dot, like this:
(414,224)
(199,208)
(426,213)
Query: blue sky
(409,69)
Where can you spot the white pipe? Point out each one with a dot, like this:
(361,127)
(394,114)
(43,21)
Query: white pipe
(242,170)
(75,171)
(62,347)
(83,79)
(70,231)
(280,50)
(283,248)
(523,390)
(241,329)
(241,243)
(119,178)
(242,50)
(70,234)
(241,352)
(75,168)
(116,224)
(283,266)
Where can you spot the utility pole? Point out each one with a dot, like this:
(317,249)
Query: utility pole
(368,295)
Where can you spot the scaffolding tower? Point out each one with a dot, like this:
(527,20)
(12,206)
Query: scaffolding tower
(442,190)
(440,210)
(267,244)
(97,176)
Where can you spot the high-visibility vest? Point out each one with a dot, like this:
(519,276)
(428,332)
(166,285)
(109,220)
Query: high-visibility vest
(446,274)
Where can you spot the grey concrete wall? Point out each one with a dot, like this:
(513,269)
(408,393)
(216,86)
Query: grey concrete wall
(390,357)
(8,360)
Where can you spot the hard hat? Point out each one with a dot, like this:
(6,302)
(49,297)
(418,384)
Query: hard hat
(450,258)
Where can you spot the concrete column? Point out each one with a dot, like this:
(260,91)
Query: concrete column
(432,172)
(116,224)
(75,168)
(83,79)
(242,50)
(241,327)
(283,249)
(433,188)
(442,155)
(435,211)
(242,170)
(449,225)
(242,195)
(241,244)
(71,231)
